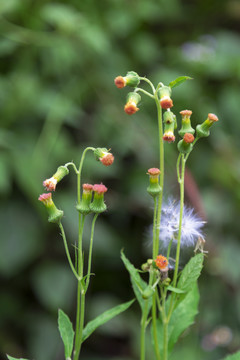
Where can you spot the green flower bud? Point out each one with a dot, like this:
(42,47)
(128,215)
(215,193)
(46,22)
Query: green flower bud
(186,123)
(98,206)
(84,206)
(148,292)
(132,79)
(154,188)
(203,129)
(165,97)
(185,145)
(50,184)
(54,215)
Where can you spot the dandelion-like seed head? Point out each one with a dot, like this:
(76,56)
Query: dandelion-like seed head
(192,225)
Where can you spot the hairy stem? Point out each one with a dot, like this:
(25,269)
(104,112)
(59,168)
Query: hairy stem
(90,252)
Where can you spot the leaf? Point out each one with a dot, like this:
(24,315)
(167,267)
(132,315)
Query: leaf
(138,284)
(176,290)
(179,81)
(235,356)
(12,358)
(66,332)
(103,318)
(182,317)
(191,273)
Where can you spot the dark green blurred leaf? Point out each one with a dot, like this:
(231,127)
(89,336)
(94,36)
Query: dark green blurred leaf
(179,81)
(235,356)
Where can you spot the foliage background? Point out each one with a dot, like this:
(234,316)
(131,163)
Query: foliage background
(57,62)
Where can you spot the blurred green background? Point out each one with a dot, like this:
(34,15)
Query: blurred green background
(58,60)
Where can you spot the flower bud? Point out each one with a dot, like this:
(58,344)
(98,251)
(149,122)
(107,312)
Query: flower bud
(54,214)
(98,206)
(165,97)
(185,145)
(103,155)
(133,99)
(148,292)
(154,188)
(203,129)
(131,79)
(84,206)
(50,184)
(186,123)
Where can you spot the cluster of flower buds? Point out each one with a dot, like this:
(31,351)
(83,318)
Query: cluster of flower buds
(170,124)
(186,123)
(131,79)
(185,145)
(154,188)
(133,98)
(165,97)
(50,184)
(97,206)
(103,155)
(54,215)
(160,267)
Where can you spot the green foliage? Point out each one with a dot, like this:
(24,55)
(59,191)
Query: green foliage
(12,358)
(138,284)
(191,273)
(182,317)
(179,81)
(235,356)
(67,333)
(103,318)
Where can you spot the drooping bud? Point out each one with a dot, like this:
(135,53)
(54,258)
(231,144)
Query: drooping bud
(84,206)
(203,129)
(133,99)
(54,214)
(185,145)
(165,97)
(131,79)
(98,205)
(50,184)
(169,120)
(103,155)
(154,188)
(186,123)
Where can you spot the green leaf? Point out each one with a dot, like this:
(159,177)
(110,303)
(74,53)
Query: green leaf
(12,358)
(176,290)
(235,356)
(103,318)
(138,284)
(66,332)
(191,273)
(182,317)
(179,81)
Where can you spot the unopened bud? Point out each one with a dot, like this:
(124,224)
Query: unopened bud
(203,129)
(148,292)
(103,155)
(84,206)
(131,79)
(185,145)
(54,214)
(98,206)
(165,97)
(50,184)
(186,123)
(154,188)
(133,99)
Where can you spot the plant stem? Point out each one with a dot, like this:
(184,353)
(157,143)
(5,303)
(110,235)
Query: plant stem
(145,92)
(67,252)
(149,82)
(80,171)
(80,292)
(73,165)
(143,329)
(181,182)
(90,252)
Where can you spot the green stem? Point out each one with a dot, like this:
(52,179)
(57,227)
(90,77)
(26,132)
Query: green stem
(145,92)
(149,82)
(181,182)
(80,172)
(90,252)
(67,252)
(169,248)
(154,226)
(80,292)
(73,165)
(143,329)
